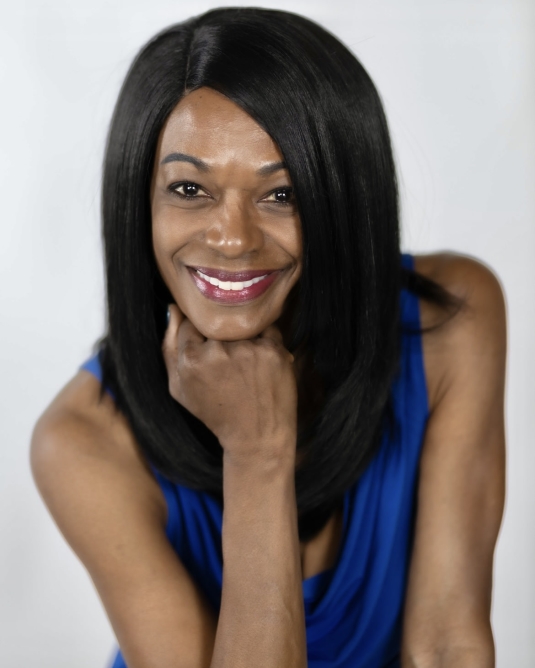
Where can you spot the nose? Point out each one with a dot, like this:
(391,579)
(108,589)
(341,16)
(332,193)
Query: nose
(234,231)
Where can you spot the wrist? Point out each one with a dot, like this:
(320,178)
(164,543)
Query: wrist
(277,453)
(257,494)
(260,467)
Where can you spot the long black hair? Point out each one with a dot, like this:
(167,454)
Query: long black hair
(316,101)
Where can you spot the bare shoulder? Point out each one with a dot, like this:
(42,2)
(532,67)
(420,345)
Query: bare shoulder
(477,328)
(461,484)
(460,274)
(83,453)
(111,511)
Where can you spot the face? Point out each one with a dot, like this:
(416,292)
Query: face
(225,229)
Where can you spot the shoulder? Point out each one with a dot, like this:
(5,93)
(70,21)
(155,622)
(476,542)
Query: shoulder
(461,482)
(463,275)
(111,511)
(83,454)
(475,332)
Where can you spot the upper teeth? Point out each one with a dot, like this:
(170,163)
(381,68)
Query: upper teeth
(230,285)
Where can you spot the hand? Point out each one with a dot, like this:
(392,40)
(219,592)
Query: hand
(244,391)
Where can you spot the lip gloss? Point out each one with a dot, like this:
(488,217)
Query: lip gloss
(217,294)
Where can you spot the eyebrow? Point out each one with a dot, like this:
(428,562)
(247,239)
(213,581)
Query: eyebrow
(273,167)
(184,157)
(202,166)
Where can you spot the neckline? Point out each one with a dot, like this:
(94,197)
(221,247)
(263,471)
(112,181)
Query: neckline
(315,584)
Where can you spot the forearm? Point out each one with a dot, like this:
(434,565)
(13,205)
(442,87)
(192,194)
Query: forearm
(454,658)
(261,620)
(467,653)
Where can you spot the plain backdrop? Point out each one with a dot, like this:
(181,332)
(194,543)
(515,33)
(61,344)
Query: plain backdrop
(458,81)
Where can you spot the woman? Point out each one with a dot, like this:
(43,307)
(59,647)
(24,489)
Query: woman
(326,417)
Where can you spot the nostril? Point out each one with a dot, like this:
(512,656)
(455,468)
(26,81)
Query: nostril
(234,237)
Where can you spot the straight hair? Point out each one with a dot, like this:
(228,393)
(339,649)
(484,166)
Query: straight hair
(316,101)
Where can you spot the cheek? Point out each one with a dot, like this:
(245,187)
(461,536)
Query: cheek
(286,234)
(296,238)
(293,243)
(166,239)
(159,249)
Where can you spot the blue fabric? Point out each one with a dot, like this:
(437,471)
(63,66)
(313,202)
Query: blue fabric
(353,610)
(93,366)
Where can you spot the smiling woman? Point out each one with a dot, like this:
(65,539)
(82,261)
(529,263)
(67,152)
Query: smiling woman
(225,225)
(287,450)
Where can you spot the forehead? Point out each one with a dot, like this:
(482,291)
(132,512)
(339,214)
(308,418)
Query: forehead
(208,125)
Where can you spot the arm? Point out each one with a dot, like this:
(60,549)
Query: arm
(245,392)
(262,617)
(461,489)
(111,511)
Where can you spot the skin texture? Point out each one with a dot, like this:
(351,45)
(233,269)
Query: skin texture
(234,222)
(462,481)
(228,365)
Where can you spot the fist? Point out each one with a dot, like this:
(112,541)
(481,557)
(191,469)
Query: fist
(244,391)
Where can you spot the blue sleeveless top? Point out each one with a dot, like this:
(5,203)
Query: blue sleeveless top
(353,611)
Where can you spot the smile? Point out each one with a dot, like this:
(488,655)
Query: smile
(232,287)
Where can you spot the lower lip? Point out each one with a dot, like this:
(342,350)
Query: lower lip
(233,296)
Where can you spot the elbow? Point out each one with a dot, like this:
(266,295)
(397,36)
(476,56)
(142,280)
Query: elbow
(462,648)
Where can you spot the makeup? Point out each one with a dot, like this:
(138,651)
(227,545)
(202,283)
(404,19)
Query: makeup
(232,287)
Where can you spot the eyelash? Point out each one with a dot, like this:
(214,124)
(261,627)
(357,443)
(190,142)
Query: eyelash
(286,190)
(173,188)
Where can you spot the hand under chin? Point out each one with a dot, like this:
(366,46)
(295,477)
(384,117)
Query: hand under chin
(229,331)
(230,327)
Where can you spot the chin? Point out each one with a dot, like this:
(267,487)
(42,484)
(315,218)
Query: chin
(232,324)
(227,329)
(231,336)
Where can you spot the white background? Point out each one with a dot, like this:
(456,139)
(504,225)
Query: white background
(458,81)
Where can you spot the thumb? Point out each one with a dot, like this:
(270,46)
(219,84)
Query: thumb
(273,333)
(175,317)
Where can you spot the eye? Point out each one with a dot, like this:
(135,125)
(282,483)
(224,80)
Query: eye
(284,196)
(187,190)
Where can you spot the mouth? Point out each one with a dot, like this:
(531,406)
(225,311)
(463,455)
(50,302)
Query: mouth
(228,287)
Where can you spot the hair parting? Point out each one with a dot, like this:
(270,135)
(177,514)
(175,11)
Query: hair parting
(316,101)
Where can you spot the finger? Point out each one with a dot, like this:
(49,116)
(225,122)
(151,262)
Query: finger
(175,318)
(188,335)
(272,332)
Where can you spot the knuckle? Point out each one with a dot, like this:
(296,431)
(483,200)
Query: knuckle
(271,349)
(173,387)
(241,350)
(190,356)
(166,351)
(247,349)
